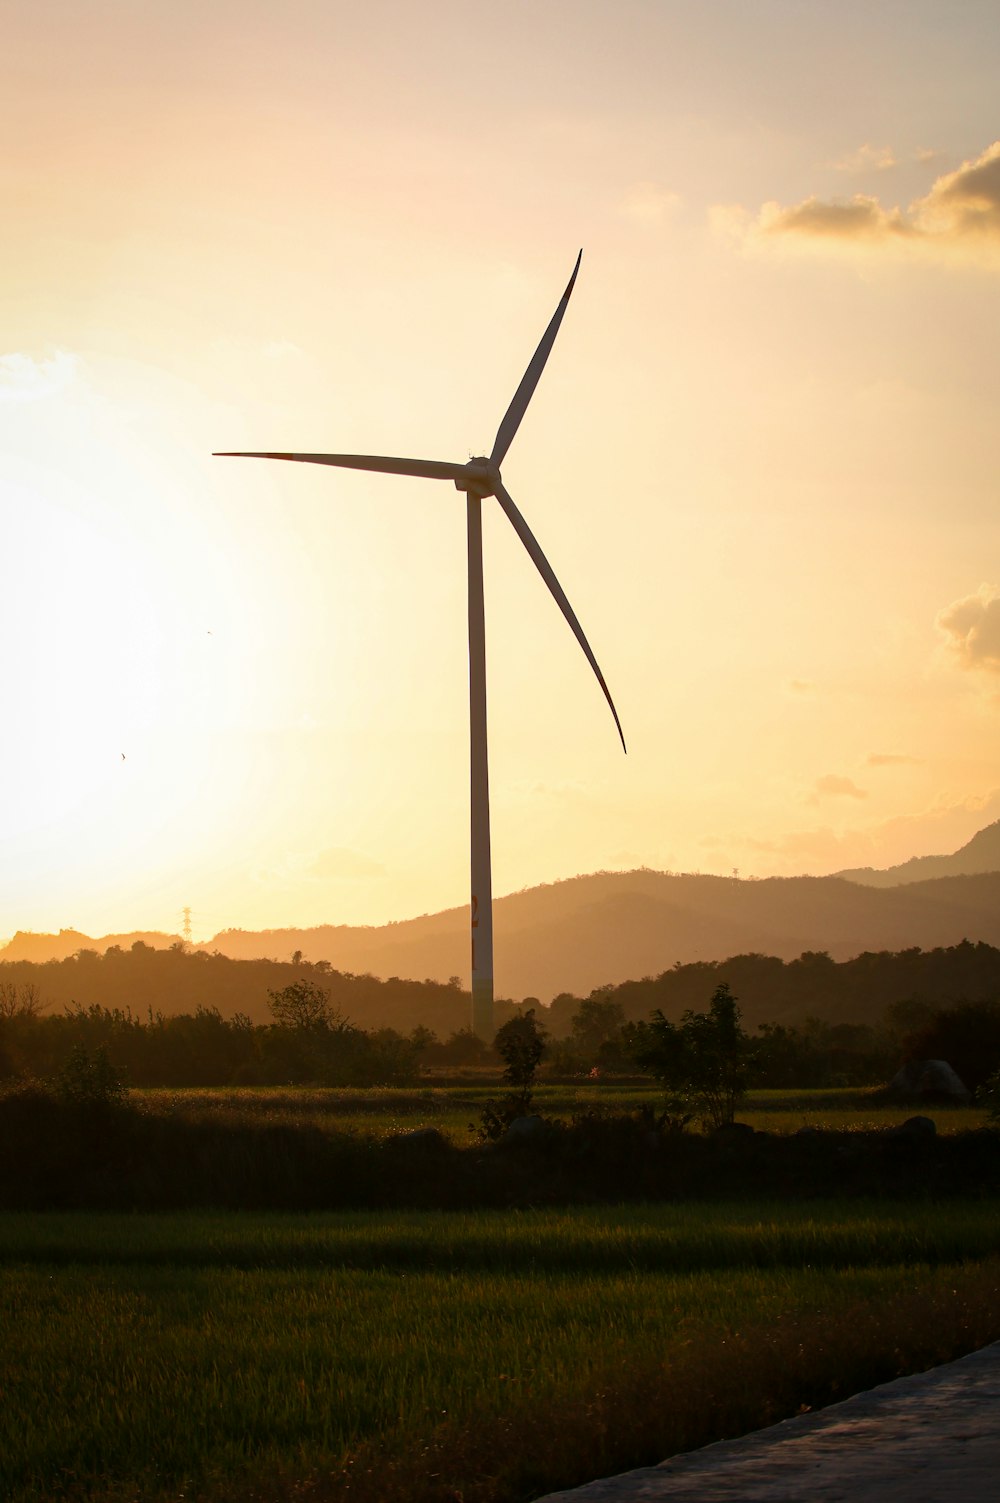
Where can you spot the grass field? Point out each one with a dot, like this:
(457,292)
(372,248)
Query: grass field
(453,1108)
(482,1356)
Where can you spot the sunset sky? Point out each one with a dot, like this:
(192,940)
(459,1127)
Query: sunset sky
(764,459)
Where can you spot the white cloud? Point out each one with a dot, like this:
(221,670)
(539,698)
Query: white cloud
(337,863)
(959,216)
(831,785)
(300,869)
(648,203)
(948,823)
(25,379)
(972,629)
(867,158)
(861,218)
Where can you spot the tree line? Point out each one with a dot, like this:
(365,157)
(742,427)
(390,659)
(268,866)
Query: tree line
(861,990)
(307,1041)
(913,1004)
(178,980)
(773,991)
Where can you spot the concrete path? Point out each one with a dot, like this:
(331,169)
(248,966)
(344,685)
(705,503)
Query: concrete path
(930,1438)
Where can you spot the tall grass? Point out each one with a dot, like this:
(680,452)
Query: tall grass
(586,1239)
(428,1358)
(387,1110)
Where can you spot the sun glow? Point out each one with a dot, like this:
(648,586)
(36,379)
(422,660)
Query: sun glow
(729,456)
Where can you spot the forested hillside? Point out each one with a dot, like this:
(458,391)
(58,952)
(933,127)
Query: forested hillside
(769,989)
(615,926)
(611,927)
(173,981)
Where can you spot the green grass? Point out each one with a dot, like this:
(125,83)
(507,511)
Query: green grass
(489,1356)
(388,1110)
(599,1239)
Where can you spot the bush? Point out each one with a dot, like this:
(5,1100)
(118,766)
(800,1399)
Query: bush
(90,1080)
(704,1060)
(966,1035)
(520,1043)
(988,1095)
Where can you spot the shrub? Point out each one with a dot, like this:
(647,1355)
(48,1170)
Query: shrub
(966,1035)
(91,1080)
(704,1060)
(520,1043)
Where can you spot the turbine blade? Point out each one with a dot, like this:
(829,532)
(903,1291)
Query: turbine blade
(544,568)
(429,469)
(515,412)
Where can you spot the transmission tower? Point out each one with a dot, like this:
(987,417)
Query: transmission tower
(186,926)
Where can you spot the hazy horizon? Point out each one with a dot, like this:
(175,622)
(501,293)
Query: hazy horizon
(987,860)
(762,460)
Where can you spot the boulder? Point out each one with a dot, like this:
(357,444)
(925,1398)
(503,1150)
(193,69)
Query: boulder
(918,1129)
(928,1080)
(422,1137)
(524,1129)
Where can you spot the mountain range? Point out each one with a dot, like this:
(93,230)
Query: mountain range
(588,931)
(980,854)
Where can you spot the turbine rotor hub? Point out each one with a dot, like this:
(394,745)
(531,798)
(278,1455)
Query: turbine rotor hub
(479,478)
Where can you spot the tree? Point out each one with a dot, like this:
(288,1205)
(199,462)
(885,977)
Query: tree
(520,1043)
(704,1059)
(91,1081)
(24,1001)
(598,1020)
(967,1035)
(303,1005)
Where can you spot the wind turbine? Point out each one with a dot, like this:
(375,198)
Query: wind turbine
(480,478)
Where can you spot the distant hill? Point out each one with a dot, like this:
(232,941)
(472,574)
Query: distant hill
(612,927)
(615,926)
(980,854)
(42,947)
(145,981)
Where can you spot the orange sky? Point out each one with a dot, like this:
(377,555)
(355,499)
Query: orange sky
(763,459)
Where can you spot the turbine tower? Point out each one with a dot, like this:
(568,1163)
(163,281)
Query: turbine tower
(480,478)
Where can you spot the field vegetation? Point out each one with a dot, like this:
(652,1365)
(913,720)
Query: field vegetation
(469,1312)
(456,1107)
(165,1013)
(485,1357)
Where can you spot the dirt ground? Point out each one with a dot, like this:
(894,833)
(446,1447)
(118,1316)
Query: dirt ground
(930,1438)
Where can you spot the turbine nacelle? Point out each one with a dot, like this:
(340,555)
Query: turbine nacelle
(480,477)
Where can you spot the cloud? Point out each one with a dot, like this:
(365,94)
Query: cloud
(648,203)
(24,379)
(867,158)
(960,215)
(557,789)
(338,863)
(800,686)
(972,629)
(821,843)
(943,827)
(892,759)
(859,218)
(833,786)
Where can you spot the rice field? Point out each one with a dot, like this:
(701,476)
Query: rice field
(452,1109)
(488,1356)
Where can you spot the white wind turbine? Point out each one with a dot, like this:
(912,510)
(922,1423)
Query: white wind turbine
(479,478)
